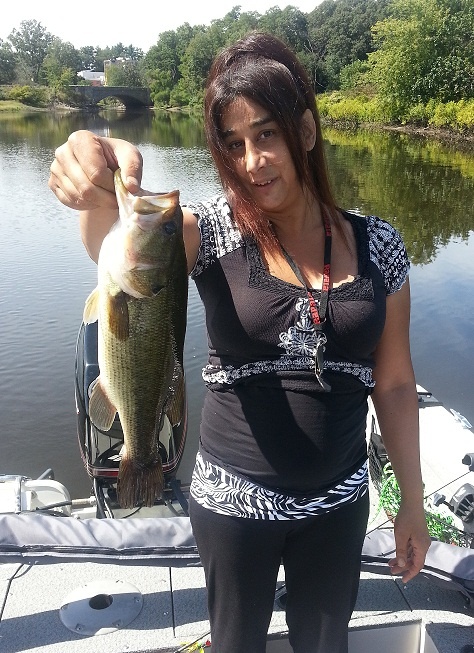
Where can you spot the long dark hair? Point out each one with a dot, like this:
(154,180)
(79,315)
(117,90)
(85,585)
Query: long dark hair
(263,69)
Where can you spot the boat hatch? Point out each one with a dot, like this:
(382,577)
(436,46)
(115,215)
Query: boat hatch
(410,637)
(101,607)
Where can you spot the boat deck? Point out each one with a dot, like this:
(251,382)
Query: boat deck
(421,617)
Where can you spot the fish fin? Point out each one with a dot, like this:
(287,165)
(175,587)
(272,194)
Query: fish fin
(101,410)
(117,311)
(91,309)
(139,485)
(177,405)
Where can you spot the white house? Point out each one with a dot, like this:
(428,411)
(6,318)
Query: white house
(95,78)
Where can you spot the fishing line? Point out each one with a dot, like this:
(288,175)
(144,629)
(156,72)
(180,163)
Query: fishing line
(446,484)
(424,499)
(9,582)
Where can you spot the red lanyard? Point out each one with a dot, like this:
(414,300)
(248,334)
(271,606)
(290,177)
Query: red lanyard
(318,316)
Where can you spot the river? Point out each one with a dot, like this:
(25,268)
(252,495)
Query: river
(424,188)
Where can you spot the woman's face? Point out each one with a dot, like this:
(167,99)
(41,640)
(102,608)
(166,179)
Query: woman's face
(260,157)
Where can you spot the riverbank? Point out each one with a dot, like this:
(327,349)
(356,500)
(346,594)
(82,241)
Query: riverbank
(462,139)
(13,106)
(451,122)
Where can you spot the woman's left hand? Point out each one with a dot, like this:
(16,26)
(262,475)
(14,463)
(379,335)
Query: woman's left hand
(412,542)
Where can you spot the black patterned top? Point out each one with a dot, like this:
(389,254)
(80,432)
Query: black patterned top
(265,419)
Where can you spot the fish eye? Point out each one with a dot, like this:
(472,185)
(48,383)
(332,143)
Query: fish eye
(170,227)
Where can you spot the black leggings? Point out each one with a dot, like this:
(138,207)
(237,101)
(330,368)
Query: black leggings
(241,559)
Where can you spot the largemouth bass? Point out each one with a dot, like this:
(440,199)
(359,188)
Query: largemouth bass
(140,303)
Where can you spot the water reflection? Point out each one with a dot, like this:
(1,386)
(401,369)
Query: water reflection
(164,128)
(425,189)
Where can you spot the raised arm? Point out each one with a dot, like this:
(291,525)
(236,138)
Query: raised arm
(82,179)
(396,402)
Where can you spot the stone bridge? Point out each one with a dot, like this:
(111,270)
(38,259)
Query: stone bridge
(132,98)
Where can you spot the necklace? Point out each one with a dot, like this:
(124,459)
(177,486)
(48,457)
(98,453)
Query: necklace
(318,317)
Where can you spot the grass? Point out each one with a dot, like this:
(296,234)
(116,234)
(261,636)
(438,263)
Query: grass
(13,106)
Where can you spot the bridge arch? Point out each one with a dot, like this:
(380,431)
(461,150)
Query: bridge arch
(132,98)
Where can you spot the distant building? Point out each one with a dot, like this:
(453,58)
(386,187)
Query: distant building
(95,78)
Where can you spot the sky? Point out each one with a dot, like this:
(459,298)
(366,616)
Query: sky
(105,23)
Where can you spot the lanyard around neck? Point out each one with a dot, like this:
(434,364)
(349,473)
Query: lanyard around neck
(318,316)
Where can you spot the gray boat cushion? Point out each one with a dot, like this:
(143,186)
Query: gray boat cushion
(33,538)
(448,565)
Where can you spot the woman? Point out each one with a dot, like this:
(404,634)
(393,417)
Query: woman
(307,311)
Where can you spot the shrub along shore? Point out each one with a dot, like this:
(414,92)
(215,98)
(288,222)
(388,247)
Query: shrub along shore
(452,120)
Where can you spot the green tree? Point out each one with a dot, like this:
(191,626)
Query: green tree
(196,60)
(353,75)
(164,58)
(196,63)
(88,55)
(61,64)
(340,33)
(289,24)
(31,43)
(7,63)
(162,62)
(237,24)
(124,72)
(425,51)
(117,51)
(132,53)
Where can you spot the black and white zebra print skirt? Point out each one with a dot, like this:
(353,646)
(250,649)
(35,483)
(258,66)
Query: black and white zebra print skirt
(228,494)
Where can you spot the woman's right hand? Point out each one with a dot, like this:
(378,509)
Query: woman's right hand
(82,171)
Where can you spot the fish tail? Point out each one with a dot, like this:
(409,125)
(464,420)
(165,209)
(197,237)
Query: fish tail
(139,485)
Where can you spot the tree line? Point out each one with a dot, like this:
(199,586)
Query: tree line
(32,55)
(405,53)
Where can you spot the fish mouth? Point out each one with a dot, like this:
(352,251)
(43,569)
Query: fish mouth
(158,203)
(144,202)
(144,209)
